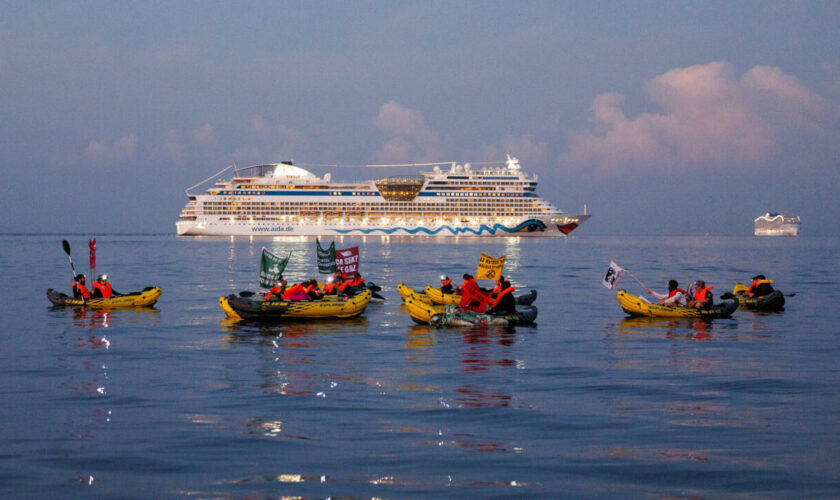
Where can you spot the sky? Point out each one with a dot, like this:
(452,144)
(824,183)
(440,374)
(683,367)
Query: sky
(662,118)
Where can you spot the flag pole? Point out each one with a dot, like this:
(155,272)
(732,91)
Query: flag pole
(635,278)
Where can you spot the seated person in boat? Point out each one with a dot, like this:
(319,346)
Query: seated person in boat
(503,302)
(472,293)
(675,297)
(311,289)
(702,296)
(80,291)
(332,286)
(296,293)
(276,292)
(446,285)
(759,287)
(102,288)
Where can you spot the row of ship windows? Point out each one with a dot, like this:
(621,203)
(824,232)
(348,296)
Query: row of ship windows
(485,213)
(486,203)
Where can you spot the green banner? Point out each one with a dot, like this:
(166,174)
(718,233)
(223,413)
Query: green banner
(326,258)
(271,268)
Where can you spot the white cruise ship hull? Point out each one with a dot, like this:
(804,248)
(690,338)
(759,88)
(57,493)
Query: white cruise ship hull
(561,225)
(286,200)
(787,230)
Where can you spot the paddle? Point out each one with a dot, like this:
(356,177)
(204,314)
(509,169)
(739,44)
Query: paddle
(66,246)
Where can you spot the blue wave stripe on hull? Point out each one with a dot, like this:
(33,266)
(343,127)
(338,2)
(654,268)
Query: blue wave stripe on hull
(454,230)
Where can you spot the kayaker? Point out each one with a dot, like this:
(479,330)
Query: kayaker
(676,296)
(331,288)
(102,288)
(702,298)
(276,292)
(446,285)
(296,293)
(499,284)
(311,289)
(471,292)
(80,291)
(359,282)
(504,302)
(759,287)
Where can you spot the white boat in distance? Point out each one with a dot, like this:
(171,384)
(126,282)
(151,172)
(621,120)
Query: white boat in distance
(775,224)
(284,199)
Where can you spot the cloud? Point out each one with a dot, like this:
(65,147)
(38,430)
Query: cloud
(410,139)
(708,118)
(275,142)
(530,151)
(101,151)
(204,134)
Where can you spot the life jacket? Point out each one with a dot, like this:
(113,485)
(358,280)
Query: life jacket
(498,287)
(309,288)
(274,291)
(358,282)
(501,294)
(755,284)
(471,292)
(331,289)
(293,290)
(82,289)
(344,285)
(674,292)
(700,293)
(104,289)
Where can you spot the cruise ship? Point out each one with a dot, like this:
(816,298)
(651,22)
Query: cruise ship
(773,224)
(285,199)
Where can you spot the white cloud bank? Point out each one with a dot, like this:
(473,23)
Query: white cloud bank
(709,118)
(410,139)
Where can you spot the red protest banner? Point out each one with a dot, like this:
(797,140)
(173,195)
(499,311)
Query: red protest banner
(347,261)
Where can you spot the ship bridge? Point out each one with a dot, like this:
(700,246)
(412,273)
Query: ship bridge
(400,187)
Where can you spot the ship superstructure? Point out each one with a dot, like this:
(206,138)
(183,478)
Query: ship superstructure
(284,199)
(775,224)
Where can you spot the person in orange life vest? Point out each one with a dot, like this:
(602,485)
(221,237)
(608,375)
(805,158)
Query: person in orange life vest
(702,298)
(102,289)
(80,291)
(499,284)
(296,293)
(676,296)
(358,282)
(504,302)
(471,292)
(276,292)
(331,288)
(759,287)
(446,285)
(345,287)
(311,289)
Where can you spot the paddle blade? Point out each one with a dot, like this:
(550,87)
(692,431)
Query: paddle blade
(66,246)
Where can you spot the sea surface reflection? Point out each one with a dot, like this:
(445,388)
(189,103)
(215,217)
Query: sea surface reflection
(178,401)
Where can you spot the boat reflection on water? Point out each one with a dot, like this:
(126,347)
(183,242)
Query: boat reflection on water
(104,318)
(688,329)
(258,332)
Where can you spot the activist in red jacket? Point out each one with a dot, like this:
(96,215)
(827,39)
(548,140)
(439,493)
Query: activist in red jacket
(102,289)
(80,291)
(471,294)
(504,302)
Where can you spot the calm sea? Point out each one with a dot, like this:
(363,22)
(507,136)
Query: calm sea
(175,401)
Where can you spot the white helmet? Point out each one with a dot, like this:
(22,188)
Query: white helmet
(444,277)
(102,277)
